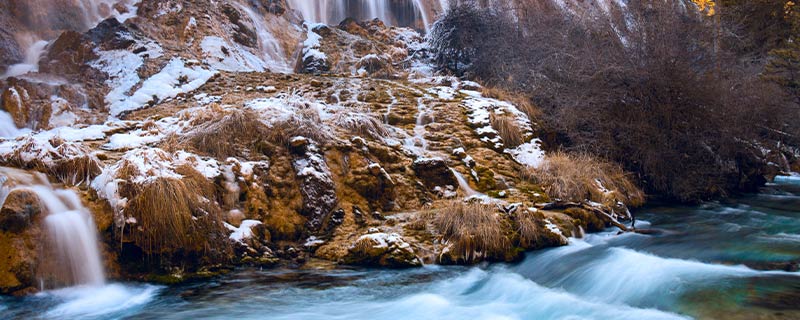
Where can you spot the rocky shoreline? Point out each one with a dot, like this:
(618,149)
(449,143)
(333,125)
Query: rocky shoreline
(192,160)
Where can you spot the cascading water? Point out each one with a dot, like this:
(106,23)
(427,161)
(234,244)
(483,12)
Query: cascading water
(46,19)
(463,184)
(270,48)
(73,236)
(407,13)
(35,48)
(7,127)
(71,254)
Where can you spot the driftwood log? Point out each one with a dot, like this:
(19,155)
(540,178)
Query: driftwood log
(605,216)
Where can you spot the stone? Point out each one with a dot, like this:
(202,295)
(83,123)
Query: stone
(19,211)
(382,250)
(434,172)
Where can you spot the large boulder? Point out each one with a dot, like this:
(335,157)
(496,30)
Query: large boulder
(21,208)
(380,249)
(20,242)
(434,172)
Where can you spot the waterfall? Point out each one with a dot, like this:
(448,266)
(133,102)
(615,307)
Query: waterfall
(270,48)
(7,127)
(73,236)
(463,184)
(46,19)
(405,13)
(34,49)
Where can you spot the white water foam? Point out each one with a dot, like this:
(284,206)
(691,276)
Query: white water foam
(72,235)
(98,302)
(480,294)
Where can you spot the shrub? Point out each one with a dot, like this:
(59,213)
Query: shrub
(678,106)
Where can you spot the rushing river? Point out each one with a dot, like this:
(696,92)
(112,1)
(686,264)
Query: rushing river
(702,262)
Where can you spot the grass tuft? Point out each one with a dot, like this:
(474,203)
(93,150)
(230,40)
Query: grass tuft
(579,177)
(474,229)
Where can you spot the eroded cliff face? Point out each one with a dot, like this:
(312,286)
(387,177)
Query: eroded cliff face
(196,145)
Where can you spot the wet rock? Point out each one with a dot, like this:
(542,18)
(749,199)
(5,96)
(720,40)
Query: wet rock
(20,242)
(277,7)
(316,184)
(110,34)
(376,65)
(10,52)
(69,55)
(352,26)
(335,219)
(434,172)
(359,216)
(20,209)
(382,250)
(587,220)
(244,31)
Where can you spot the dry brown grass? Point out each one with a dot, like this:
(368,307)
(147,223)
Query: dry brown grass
(69,162)
(578,177)
(528,228)
(519,100)
(474,229)
(226,135)
(508,129)
(306,123)
(177,216)
(361,123)
(532,233)
(75,171)
(363,245)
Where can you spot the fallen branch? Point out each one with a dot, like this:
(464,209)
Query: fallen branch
(561,205)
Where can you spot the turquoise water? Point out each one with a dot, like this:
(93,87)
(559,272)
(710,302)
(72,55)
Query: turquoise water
(717,261)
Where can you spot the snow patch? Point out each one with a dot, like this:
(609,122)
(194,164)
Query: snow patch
(244,231)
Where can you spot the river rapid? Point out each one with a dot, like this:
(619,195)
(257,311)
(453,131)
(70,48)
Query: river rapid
(726,260)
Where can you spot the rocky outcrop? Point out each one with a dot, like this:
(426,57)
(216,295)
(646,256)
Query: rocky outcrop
(380,249)
(434,172)
(20,241)
(316,184)
(20,211)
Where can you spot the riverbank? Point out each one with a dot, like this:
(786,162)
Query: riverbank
(696,267)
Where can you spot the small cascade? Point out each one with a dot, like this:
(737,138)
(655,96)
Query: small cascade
(71,253)
(419,126)
(8,129)
(270,48)
(46,19)
(35,48)
(73,236)
(463,184)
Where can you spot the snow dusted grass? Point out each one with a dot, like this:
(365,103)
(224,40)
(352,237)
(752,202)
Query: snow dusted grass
(70,162)
(166,207)
(581,177)
(508,129)
(227,135)
(475,230)
(361,123)
(290,115)
(495,121)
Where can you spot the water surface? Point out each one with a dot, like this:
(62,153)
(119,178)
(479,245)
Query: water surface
(715,261)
